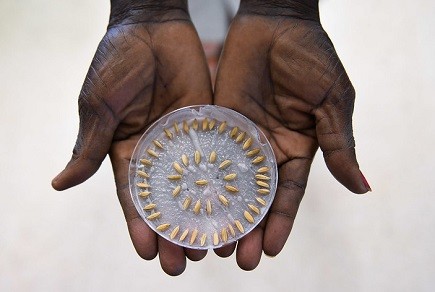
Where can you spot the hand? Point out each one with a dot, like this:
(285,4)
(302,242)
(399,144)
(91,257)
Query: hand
(149,63)
(280,69)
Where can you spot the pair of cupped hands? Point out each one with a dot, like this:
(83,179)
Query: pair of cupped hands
(278,67)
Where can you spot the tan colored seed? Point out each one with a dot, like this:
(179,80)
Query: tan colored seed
(222,127)
(185,127)
(205,124)
(197,207)
(213,156)
(253,152)
(254,209)
(149,207)
(177,130)
(145,194)
(146,162)
(224,200)
(185,160)
(263,191)
(211,124)
(154,216)
(224,235)
(143,185)
(230,176)
(263,169)
(240,137)
(248,217)
(215,238)
(247,143)
(195,124)
(184,234)
(193,237)
(208,207)
(261,201)
(262,184)
(168,133)
(177,168)
(143,174)
(186,202)
(176,191)
(239,226)
(158,144)
(262,176)
(197,157)
(225,164)
(258,159)
(174,232)
(174,177)
(231,229)
(163,227)
(234,132)
(201,182)
(153,153)
(203,239)
(231,189)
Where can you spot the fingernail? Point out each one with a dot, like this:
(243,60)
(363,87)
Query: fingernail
(365,182)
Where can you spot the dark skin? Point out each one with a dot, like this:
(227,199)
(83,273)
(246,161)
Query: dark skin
(278,67)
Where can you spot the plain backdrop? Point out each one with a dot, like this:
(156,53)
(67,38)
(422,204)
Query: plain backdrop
(77,240)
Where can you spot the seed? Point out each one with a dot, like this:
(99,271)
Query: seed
(154,216)
(254,209)
(143,185)
(211,124)
(149,207)
(197,207)
(146,162)
(224,235)
(225,164)
(158,144)
(224,200)
(186,202)
(262,176)
(234,132)
(247,143)
(195,124)
(231,229)
(177,130)
(184,234)
(263,169)
(144,194)
(176,191)
(153,153)
(240,137)
(262,184)
(261,201)
(258,159)
(168,133)
(174,177)
(253,152)
(185,127)
(177,168)
(239,226)
(174,232)
(230,176)
(222,127)
(201,182)
(263,191)
(163,227)
(231,189)
(213,156)
(248,217)
(193,237)
(203,239)
(208,207)
(215,238)
(143,174)
(204,124)
(185,160)
(197,157)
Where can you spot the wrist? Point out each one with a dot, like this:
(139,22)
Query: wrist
(136,11)
(304,9)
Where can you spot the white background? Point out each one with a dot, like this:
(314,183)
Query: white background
(77,240)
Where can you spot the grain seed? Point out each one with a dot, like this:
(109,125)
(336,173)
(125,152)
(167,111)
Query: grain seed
(224,200)
(231,229)
(174,232)
(234,132)
(248,217)
(239,226)
(224,235)
(176,191)
(258,159)
(185,127)
(230,176)
(197,207)
(213,156)
(240,137)
(184,234)
(215,238)
(261,201)
(153,153)
(262,184)
(174,177)
(154,216)
(205,124)
(195,124)
(158,144)
(254,209)
(197,157)
(163,227)
(145,194)
(222,127)
(211,124)
(143,185)
(177,168)
(185,160)
(143,174)
(168,133)
(149,207)
(253,152)
(146,162)
(225,164)
(263,191)
(247,143)
(177,130)
(201,182)
(186,202)
(262,176)
(208,207)
(203,239)
(193,237)
(263,169)
(231,189)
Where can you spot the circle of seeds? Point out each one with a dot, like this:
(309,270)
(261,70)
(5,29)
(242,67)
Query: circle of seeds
(203,176)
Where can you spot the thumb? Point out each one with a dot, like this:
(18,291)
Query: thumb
(335,137)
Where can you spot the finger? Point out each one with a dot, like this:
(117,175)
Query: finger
(335,136)
(226,250)
(195,254)
(172,257)
(249,249)
(293,177)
